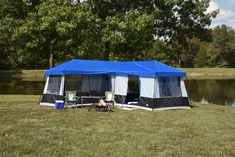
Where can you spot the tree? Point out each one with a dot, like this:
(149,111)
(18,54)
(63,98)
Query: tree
(56,28)
(202,57)
(223,47)
(110,29)
(59,27)
(133,36)
(126,27)
(12,15)
(180,21)
(174,21)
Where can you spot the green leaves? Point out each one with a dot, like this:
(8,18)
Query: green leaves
(223,54)
(56,31)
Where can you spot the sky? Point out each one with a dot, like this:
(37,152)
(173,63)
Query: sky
(227,12)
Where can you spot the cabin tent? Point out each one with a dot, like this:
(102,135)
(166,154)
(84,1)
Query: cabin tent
(159,86)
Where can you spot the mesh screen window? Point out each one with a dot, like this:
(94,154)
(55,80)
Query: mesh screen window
(54,85)
(88,84)
(169,87)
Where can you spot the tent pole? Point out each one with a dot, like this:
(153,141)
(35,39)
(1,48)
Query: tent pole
(40,98)
(154,93)
(190,102)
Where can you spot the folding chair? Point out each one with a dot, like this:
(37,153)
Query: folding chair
(109,98)
(70,98)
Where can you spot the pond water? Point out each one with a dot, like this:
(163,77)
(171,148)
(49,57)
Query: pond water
(21,87)
(220,91)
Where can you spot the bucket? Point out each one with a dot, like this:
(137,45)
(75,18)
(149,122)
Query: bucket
(59,104)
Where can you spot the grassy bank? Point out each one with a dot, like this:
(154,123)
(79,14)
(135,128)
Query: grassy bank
(207,73)
(28,129)
(25,75)
(192,73)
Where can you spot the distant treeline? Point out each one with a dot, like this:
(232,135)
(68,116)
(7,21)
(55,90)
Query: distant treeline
(36,34)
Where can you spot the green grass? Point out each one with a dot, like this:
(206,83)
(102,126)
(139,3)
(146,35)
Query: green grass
(210,73)
(27,129)
(25,75)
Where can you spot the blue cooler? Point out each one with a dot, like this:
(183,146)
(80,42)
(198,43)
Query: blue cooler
(59,104)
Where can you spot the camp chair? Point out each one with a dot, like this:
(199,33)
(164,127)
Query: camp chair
(109,98)
(71,98)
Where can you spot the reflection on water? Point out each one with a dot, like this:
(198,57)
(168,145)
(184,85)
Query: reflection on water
(205,91)
(212,91)
(21,87)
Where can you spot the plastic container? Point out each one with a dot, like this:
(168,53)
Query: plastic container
(59,104)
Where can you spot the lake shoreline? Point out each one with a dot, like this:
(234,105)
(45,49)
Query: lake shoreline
(210,73)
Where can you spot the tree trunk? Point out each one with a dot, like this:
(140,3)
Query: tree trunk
(51,59)
(179,63)
(106,51)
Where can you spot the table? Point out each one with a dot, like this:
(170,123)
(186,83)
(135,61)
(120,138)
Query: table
(90,97)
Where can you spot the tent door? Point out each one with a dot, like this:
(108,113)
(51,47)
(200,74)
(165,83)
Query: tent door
(133,92)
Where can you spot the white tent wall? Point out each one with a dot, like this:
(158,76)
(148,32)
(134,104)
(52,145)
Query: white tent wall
(112,83)
(147,88)
(147,92)
(183,89)
(120,88)
(46,85)
(156,86)
(170,93)
(62,86)
(53,90)
(151,96)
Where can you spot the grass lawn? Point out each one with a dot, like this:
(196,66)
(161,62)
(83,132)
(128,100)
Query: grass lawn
(27,129)
(210,73)
(25,75)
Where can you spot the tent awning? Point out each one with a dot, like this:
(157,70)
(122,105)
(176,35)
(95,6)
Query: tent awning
(135,68)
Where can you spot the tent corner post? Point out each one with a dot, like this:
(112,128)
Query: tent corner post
(40,97)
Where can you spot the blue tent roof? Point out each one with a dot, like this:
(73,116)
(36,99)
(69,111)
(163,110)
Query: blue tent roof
(137,68)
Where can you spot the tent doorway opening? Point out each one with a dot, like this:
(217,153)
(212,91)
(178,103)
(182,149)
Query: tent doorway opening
(133,92)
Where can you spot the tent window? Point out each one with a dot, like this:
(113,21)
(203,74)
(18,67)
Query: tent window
(88,84)
(98,84)
(54,85)
(73,82)
(169,86)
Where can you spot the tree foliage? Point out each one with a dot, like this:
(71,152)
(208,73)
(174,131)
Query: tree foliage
(223,52)
(12,15)
(56,29)
(41,33)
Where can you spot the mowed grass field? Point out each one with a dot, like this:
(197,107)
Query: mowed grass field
(210,73)
(27,129)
